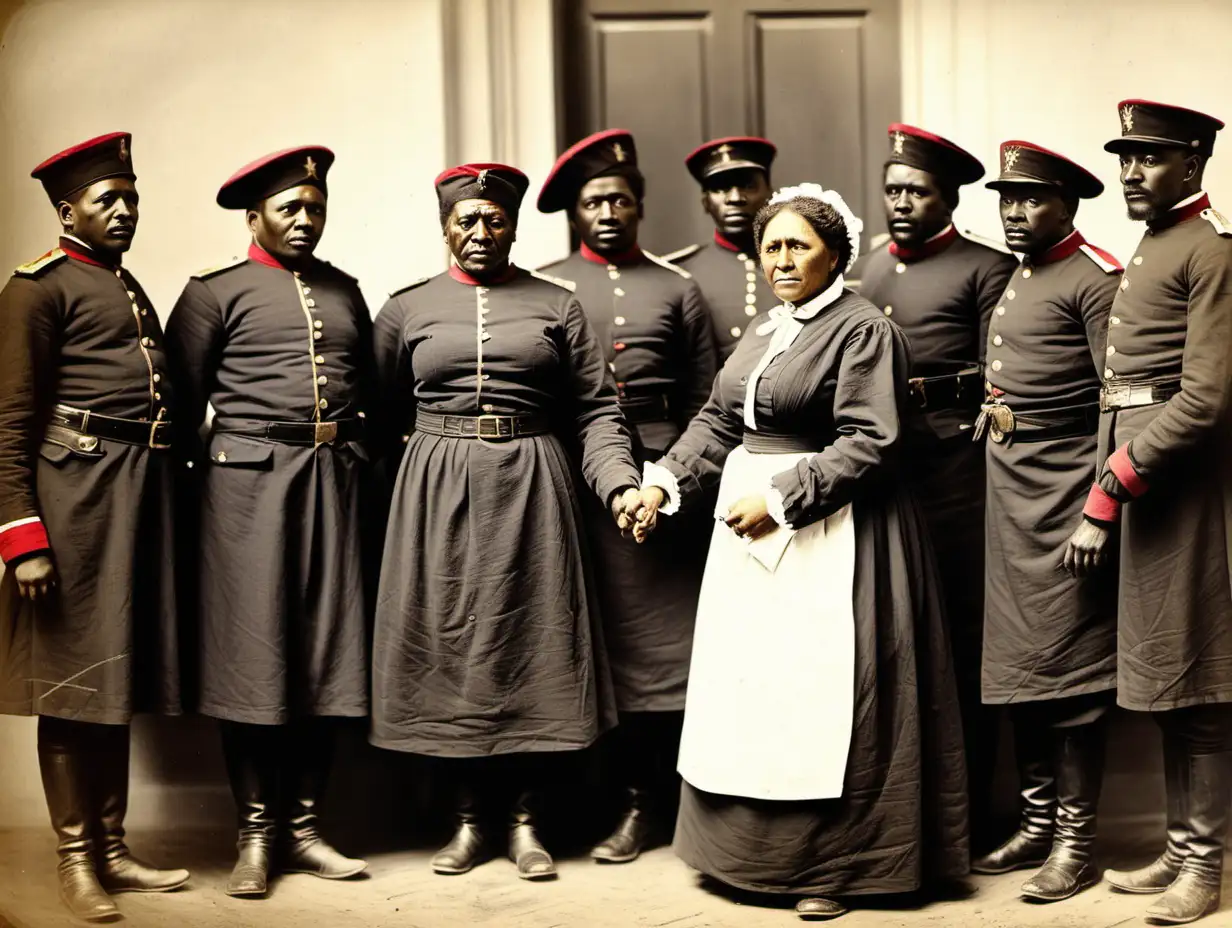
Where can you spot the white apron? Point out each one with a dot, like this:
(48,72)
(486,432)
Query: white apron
(768,714)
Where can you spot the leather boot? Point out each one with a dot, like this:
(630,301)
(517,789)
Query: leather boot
(1030,845)
(67,768)
(626,842)
(118,870)
(1195,893)
(525,849)
(309,754)
(251,770)
(1079,766)
(819,909)
(1160,873)
(465,849)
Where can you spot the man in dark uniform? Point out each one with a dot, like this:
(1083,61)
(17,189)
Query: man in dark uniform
(1049,641)
(655,330)
(280,344)
(942,288)
(1165,443)
(734,174)
(87,604)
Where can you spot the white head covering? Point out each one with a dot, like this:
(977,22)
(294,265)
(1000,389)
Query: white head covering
(851,222)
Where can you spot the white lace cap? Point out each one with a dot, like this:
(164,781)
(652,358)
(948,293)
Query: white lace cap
(832,198)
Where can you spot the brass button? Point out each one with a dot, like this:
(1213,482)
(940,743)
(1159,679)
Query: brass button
(310,303)
(750,310)
(1000,310)
(157,377)
(743,257)
(1124,283)
(322,380)
(145,312)
(750,298)
(900,268)
(157,396)
(307,290)
(324,404)
(1026,273)
(488,407)
(1111,350)
(619,320)
(751,277)
(997,340)
(996,365)
(1010,294)
(317,324)
(1115,320)
(1109,373)
(735,331)
(487,376)
(317,334)
(131,296)
(1137,259)
(118,274)
(87,443)
(136,308)
(889,310)
(751,287)
(320,359)
(619,291)
(147,341)
(221,457)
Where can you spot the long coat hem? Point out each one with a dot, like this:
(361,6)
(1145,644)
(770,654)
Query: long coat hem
(249,716)
(461,748)
(25,709)
(1161,705)
(1014,699)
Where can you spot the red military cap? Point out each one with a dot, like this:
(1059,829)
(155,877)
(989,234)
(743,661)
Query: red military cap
(611,151)
(1028,163)
(274,173)
(733,153)
(93,160)
(918,148)
(1144,122)
(500,183)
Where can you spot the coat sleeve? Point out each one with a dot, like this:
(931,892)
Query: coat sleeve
(696,460)
(29,349)
(1191,417)
(866,420)
(365,365)
(990,284)
(195,339)
(698,357)
(607,451)
(1094,306)
(394,378)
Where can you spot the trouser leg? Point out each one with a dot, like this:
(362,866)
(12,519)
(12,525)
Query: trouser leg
(251,753)
(1029,846)
(307,758)
(470,779)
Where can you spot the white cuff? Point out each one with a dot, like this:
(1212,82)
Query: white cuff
(656,475)
(776,506)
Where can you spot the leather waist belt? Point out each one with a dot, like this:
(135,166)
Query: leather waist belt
(1126,394)
(769,443)
(1002,424)
(650,408)
(963,389)
(295,433)
(485,428)
(129,431)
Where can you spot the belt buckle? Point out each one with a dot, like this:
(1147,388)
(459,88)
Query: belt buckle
(153,442)
(496,434)
(324,433)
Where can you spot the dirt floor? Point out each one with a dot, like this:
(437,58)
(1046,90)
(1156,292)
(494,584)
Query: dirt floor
(400,891)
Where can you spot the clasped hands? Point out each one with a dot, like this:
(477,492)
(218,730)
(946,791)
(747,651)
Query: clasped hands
(637,514)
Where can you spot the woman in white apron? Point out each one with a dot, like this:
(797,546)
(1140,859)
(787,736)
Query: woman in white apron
(822,749)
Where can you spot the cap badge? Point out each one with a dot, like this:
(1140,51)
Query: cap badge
(483,179)
(124,150)
(725,150)
(1127,117)
(1011,157)
(899,139)
(310,167)
(619,152)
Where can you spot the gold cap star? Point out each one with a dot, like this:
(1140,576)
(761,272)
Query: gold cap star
(310,167)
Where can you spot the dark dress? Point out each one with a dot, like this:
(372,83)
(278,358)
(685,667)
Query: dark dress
(902,817)
(488,634)
(1173,317)
(282,613)
(733,285)
(105,645)
(655,331)
(1047,635)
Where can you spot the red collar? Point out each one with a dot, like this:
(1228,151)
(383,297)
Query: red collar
(75,251)
(632,256)
(261,256)
(1176,216)
(462,277)
(1061,250)
(729,245)
(938,243)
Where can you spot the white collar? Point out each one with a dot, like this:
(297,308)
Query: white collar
(805,312)
(1193,199)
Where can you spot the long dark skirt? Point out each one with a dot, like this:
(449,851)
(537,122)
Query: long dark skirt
(902,819)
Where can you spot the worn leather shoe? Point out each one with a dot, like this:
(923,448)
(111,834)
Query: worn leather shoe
(1063,875)
(1155,877)
(315,856)
(124,873)
(817,909)
(1187,900)
(1021,852)
(463,852)
(250,875)
(626,842)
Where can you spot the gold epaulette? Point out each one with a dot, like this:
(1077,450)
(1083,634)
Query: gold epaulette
(1218,220)
(559,281)
(986,242)
(219,268)
(686,252)
(38,265)
(410,286)
(663,262)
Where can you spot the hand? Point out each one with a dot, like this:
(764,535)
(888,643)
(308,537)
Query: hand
(1085,549)
(652,499)
(36,577)
(748,517)
(626,507)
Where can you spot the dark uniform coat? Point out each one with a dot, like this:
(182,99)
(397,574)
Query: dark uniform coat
(733,285)
(83,334)
(283,629)
(488,634)
(1172,318)
(655,331)
(1047,635)
(902,818)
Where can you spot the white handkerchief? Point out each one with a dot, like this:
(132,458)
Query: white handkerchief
(766,550)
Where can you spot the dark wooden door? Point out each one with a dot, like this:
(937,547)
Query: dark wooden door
(819,78)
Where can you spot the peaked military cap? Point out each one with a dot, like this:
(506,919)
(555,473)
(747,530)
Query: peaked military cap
(282,170)
(918,148)
(611,151)
(1146,123)
(730,154)
(500,183)
(1028,163)
(93,160)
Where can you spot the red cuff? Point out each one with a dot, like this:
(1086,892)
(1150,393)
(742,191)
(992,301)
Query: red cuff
(1120,464)
(23,539)
(1101,506)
